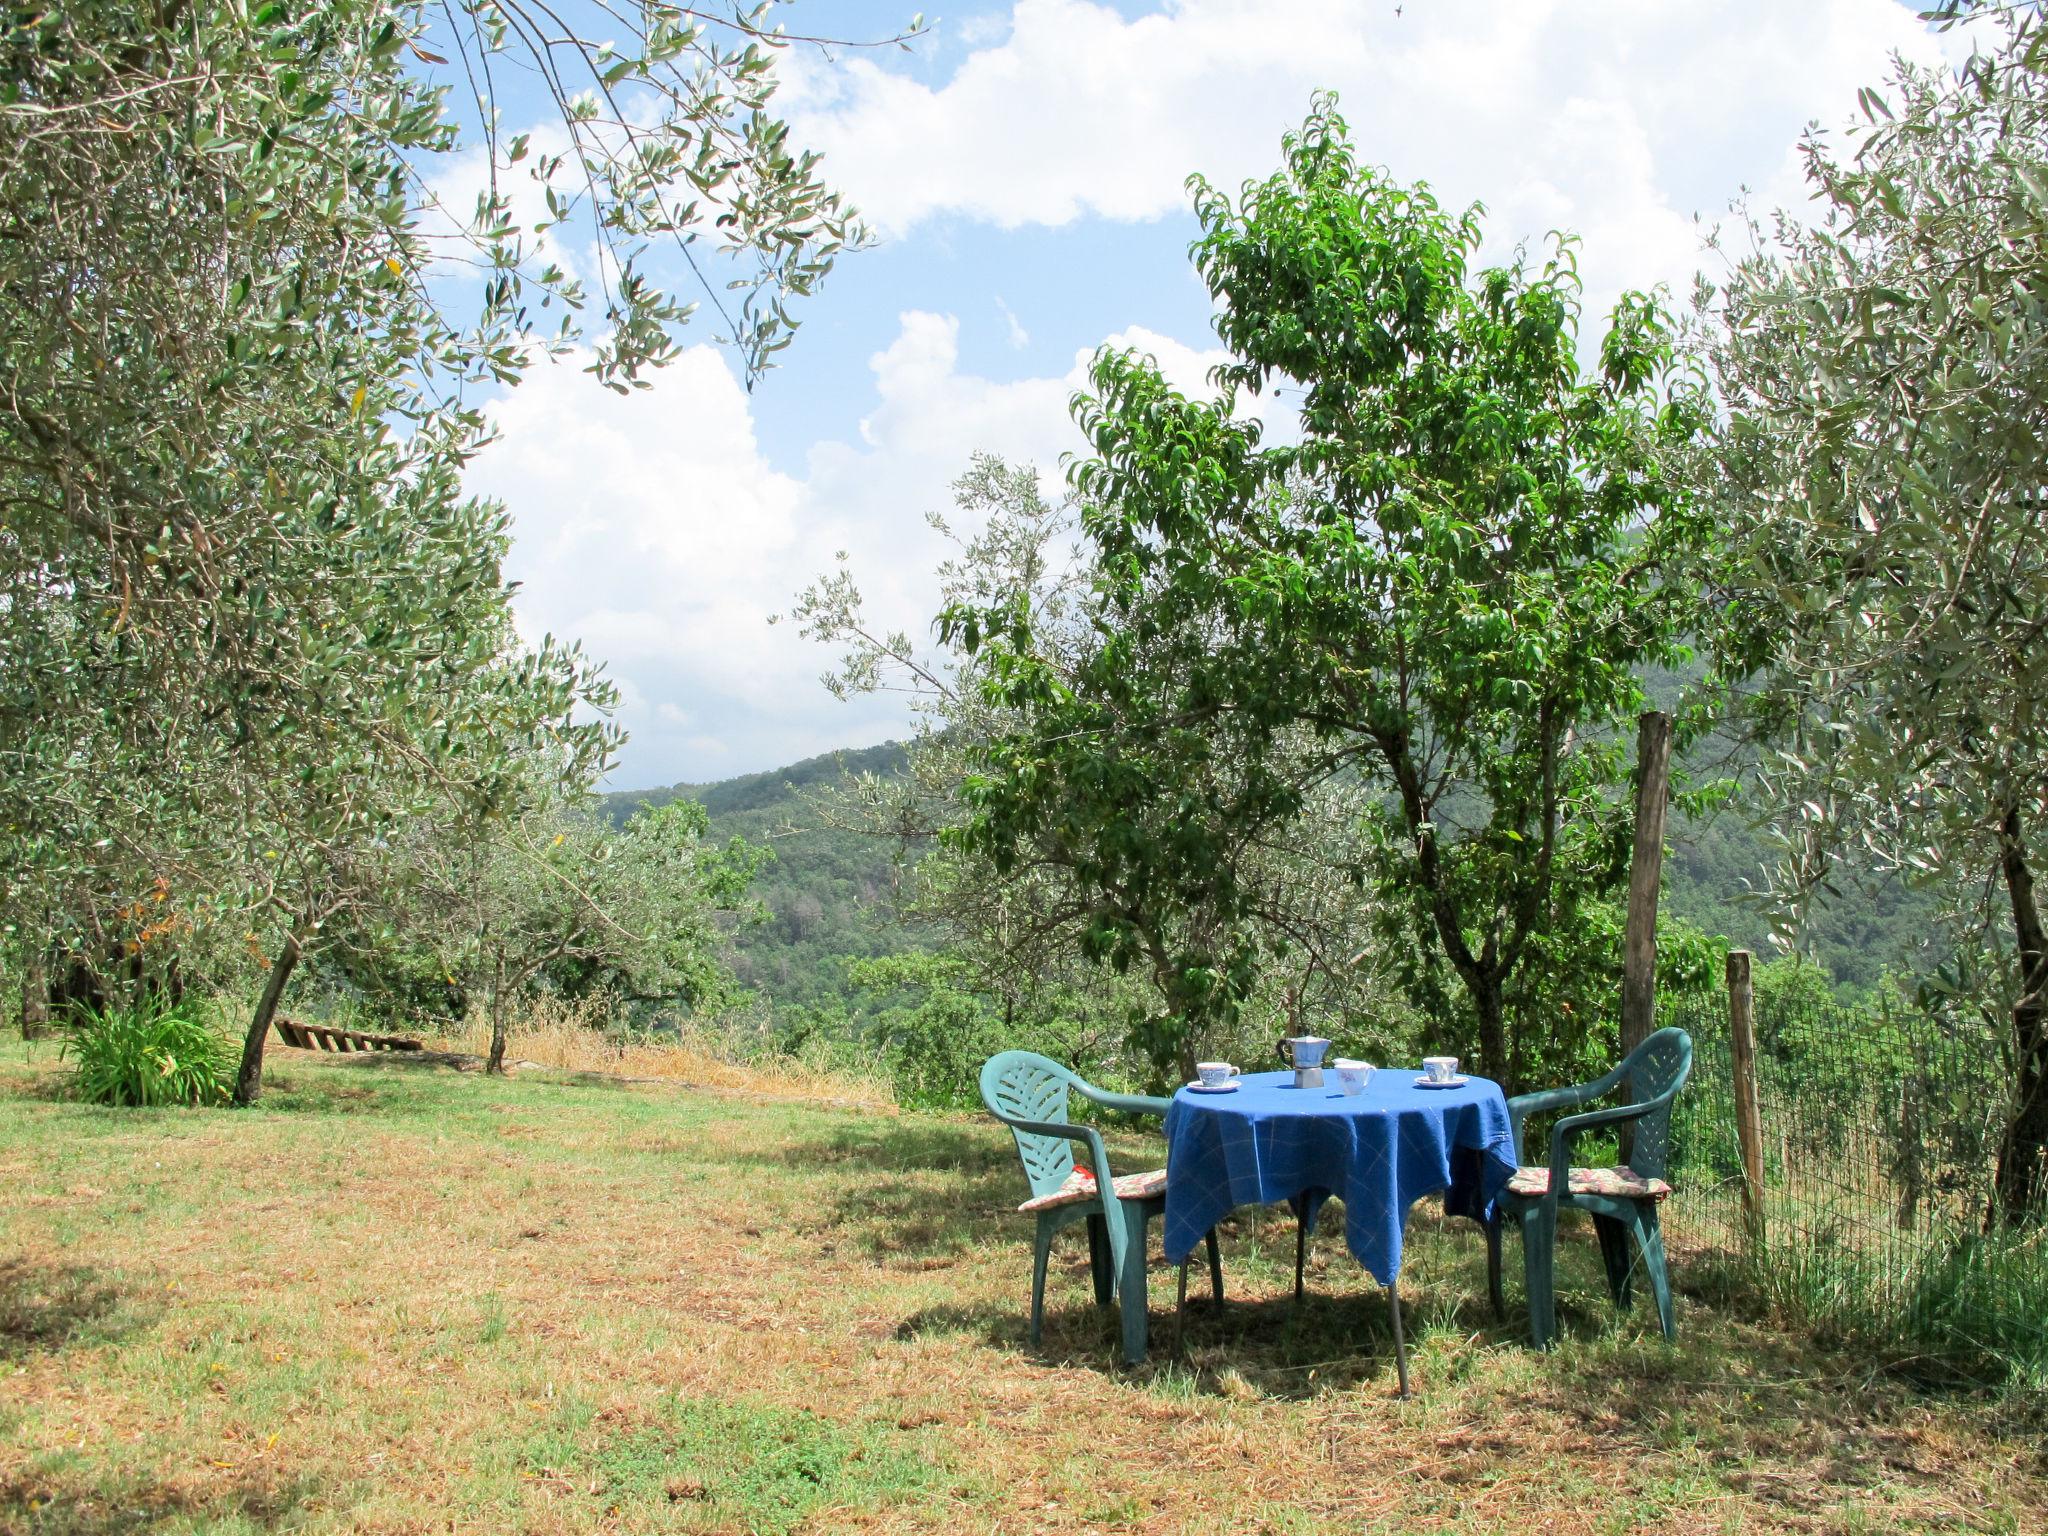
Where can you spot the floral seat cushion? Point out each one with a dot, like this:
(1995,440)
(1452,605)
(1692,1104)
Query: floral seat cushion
(1080,1185)
(1622,1183)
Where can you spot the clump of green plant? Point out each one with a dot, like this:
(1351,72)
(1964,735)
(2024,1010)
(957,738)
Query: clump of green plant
(1980,1301)
(150,1053)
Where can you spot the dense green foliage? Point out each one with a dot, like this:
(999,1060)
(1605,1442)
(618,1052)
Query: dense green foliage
(1717,877)
(259,644)
(1446,592)
(853,876)
(148,1055)
(560,900)
(828,888)
(1881,474)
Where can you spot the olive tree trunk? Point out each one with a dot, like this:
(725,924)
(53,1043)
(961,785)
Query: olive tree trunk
(35,995)
(495,1062)
(2021,1189)
(249,1079)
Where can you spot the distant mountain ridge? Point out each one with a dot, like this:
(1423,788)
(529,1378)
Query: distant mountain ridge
(828,890)
(770,788)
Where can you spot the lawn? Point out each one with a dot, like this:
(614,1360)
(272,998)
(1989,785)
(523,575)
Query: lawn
(400,1298)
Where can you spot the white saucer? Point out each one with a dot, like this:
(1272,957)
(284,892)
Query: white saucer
(1449,1082)
(1199,1087)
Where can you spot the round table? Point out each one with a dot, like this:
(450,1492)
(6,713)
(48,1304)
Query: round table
(1379,1151)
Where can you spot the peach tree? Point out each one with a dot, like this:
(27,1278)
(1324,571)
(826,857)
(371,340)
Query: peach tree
(1445,586)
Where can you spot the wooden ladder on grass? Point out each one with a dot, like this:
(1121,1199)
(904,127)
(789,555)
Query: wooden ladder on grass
(324,1037)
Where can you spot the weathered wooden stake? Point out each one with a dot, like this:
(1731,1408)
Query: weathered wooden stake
(1645,875)
(1749,1128)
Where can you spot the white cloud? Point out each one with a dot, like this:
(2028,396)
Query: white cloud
(1019,337)
(1615,118)
(653,527)
(650,527)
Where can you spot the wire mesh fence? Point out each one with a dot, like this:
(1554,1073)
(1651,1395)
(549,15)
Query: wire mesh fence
(1880,1130)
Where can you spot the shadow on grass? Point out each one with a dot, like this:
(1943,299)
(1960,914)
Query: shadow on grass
(45,1308)
(1266,1348)
(1261,1343)
(909,1190)
(294,1088)
(62,1505)
(54,1087)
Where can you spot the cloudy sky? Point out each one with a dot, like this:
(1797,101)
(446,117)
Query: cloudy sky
(1025,168)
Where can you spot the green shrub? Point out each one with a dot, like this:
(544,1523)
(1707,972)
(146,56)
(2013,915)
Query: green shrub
(932,1030)
(149,1054)
(1982,1302)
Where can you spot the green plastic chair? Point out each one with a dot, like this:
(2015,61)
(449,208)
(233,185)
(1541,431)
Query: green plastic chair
(1029,1094)
(1622,1200)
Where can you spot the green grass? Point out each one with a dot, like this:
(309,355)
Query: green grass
(1969,1308)
(396,1298)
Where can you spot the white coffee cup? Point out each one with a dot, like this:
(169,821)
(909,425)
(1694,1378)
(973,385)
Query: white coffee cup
(1353,1075)
(1214,1074)
(1439,1069)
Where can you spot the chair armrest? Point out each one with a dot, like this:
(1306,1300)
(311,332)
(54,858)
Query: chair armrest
(1129,1103)
(1098,1154)
(1568,1130)
(1523,1105)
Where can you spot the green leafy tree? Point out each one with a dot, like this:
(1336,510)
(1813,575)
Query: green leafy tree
(555,893)
(273,626)
(1882,476)
(1050,923)
(1447,589)
(252,625)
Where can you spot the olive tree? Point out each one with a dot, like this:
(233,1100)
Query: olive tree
(1883,370)
(251,622)
(551,895)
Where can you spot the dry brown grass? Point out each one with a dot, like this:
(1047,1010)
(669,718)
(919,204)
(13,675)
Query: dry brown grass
(570,1037)
(396,1299)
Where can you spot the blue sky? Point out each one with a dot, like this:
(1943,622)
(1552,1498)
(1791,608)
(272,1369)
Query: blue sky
(1024,166)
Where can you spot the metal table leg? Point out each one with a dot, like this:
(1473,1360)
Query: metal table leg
(1400,1344)
(1180,1313)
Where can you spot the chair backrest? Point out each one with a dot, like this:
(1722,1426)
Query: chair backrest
(1656,1069)
(1023,1085)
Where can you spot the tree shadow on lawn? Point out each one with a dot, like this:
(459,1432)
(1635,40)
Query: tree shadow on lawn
(1615,1371)
(45,1308)
(296,1088)
(68,1502)
(909,1190)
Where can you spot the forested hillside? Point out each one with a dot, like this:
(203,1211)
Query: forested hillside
(1858,933)
(827,890)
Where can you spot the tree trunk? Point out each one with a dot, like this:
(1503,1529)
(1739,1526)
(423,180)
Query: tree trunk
(1485,992)
(35,995)
(1645,875)
(1166,976)
(495,1063)
(2021,1190)
(249,1080)
(76,996)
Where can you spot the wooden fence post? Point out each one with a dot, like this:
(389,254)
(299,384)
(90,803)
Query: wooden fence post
(1749,1130)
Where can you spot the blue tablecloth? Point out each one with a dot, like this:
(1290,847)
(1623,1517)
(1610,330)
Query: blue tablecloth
(1378,1152)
